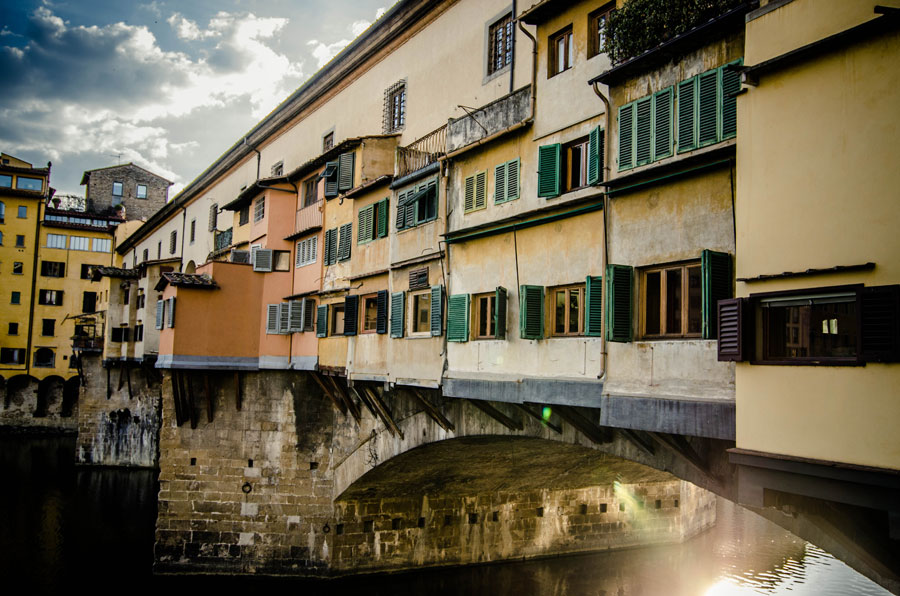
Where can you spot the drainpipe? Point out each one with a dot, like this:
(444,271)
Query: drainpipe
(183,222)
(605,260)
(534,59)
(258,155)
(512,60)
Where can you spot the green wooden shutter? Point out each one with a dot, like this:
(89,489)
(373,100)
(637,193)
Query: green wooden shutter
(626,137)
(384,207)
(398,300)
(512,179)
(707,108)
(548,170)
(322,321)
(331,181)
(500,298)
(716,281)
(687,119)
(364,225)
(331,246)
(619,283)
(593,311)
(400,219)
(662,124)
(458,318)
(381,314)
(351,314)
(480,190)
(531,312)
(437,312)
(731,84)
(594,165)
(643,131)
(345,170)
(500,183)
(469,199)
(344,246)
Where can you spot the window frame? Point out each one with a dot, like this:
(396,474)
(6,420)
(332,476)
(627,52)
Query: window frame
(413,298)
(138,193)
(566,159)
(259,209)
(363,321)
(48,324)
(20,240)
(551,301)
(12,328)
(19,186)
(54,297)
(684,267)
(596,35)
(394,117)
(121,188)
(328,141)
(553,53)
(310,191)
(502,26)
(477,299)
(22,212)
(53,268)
(333,310)
(309,247)
(20,266)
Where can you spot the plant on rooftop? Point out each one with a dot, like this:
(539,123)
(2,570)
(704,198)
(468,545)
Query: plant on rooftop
(641,25)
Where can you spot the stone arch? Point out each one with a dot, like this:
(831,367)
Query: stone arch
(71,389)
(49,397)
(21,398)
(191,267)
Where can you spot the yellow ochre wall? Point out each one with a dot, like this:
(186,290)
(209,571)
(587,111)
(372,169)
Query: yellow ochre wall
(817,187)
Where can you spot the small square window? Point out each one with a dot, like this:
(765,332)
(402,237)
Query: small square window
(23,212)
(278,169)
(20,241)
(48,327)
(282,260)
(15,298)
(568,310)
(5,181)
(328,141)
(13,329)
(18,268)
(561,52)
(117,189)
(141,191)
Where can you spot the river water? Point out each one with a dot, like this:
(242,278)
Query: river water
(64,527)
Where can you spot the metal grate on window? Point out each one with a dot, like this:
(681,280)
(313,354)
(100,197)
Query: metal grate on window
(500,48)
(394,107)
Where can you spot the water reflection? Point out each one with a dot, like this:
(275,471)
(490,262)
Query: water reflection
(63,528)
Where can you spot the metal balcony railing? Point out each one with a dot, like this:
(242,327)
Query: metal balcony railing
(309,217)
(87,344)
(423,152)
(222,239)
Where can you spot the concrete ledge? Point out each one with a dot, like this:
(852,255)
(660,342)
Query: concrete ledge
(206,362)
(274,362)
(304,362)
(528,389)
(682,416)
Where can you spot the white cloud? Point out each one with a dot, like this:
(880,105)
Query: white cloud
(358,27)
(184,28)
(324,52)
(380,12)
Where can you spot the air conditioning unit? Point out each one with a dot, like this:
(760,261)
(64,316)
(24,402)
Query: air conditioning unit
(240,256)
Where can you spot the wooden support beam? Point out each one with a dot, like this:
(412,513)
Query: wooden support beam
(596,434)
(237,390)
(434,412)
(361,396)
(121,376)
(638,439)
(352,406)
(209,398)
(191,403)
(540,418)
(385,412)
(681,448)
(108,386)
(487,408)
(340,405)
(128,378)
(176,398)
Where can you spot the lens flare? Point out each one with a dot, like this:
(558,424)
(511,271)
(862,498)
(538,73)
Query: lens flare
(546,413)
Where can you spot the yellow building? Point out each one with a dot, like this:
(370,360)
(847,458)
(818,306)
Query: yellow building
(23,193)
(815,331)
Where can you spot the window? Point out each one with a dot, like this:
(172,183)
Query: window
(22,212)
(79,243)
(24,183)
(15,298)
(259,209)
(337,319)
(48,327)
(327,141)
(50,297)
(310,191)
(707,108)
(13,329)
(567,305)
(506,181)
(141,191)
(126,295)
(672,301)
(475,190)
(159,250)
(346,238)
(5,181)
(89,302)
(53,269)
(44,358)
(102,245)
(1,236)
(12,356)
(193,229)
(836,325)
(373,222)
(370,313)
(306,251)
(20,241)
(56,241)
(282,260)
(417,205)
(421,312)
(394,107)
(18,268)
(646,129)
(139,332)
(213,217)
(145,256)
(562,168)
(490,322)
(561,52)
(500,44)
(118,334)
(117,189)
(244,215)
(278,169)
(597,29)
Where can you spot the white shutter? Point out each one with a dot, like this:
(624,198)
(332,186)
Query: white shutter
(160,311)
(171,313)
(272,311)
(284,318)
(296,312)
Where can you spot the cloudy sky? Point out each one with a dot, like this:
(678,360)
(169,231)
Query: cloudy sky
(165,84)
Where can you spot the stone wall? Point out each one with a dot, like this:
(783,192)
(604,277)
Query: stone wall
(49,404)
(100,187)
(118,425)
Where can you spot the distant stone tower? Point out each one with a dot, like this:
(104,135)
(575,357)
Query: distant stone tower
(142,193)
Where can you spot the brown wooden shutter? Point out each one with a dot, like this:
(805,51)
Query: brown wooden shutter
(879,324)
(735,329)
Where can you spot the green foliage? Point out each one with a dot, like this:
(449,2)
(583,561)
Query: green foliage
(641,25)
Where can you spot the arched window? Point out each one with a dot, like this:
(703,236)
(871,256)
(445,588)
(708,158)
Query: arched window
(44,357)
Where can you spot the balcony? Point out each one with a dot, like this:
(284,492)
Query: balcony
(87,344)
(489,119)
(222,240)
(309,217)
(423,152)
